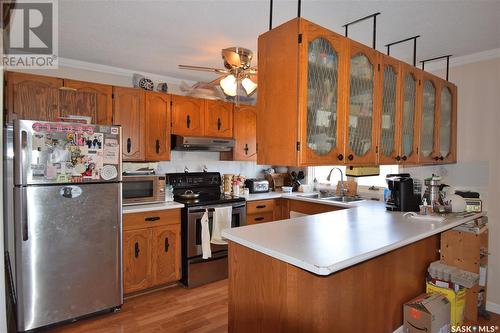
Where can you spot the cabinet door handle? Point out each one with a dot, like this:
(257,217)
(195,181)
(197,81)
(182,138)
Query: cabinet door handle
(436,158)
(157,146)
(129,145)
(340,157)
(152,218)
(258,219)
(398,158)
(188,121)
(350,157)
(405,158)
(167,245)
(441,158)
(246,149)
(219,124)
(261,206)
(136,249)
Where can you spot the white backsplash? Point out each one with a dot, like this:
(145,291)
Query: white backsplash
(467,176)
(195,162)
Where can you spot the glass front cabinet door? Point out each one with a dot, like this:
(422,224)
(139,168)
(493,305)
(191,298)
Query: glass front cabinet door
(322,130)
(428,152)
(447,122)
(410,95)
(390,111)
(361,91)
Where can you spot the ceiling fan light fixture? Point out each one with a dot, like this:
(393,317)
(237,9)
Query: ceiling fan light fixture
(249,86)
(229,85)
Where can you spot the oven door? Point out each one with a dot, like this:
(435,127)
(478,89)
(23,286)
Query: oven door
(137,190)
(194,226)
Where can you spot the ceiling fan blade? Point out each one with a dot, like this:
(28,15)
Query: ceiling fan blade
(231,57)
(204,69)
(216,81)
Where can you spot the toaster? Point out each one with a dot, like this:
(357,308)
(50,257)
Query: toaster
(257,185)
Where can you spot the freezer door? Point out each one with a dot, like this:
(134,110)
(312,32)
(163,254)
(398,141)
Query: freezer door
(48,153)
(68,240)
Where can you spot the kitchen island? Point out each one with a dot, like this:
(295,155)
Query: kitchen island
(343,271)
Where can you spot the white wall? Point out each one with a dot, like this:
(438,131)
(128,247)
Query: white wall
(478,166)
(195,161)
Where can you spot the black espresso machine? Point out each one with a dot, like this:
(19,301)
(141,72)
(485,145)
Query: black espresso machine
(402,197)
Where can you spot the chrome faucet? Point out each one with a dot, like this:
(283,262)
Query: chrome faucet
(343,190)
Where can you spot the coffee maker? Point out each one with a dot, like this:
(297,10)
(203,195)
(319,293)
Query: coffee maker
(401,197)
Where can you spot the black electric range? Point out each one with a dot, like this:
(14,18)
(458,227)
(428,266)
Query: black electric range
(196,270)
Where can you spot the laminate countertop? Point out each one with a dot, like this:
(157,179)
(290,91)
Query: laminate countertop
(151,207)
(325,243)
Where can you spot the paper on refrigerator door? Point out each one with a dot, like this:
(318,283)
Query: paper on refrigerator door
(111,152)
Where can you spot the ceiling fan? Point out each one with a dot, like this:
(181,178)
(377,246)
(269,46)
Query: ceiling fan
(237,71)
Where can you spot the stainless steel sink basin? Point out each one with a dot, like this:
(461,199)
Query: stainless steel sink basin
(344,199)
(330,197)
(321,195)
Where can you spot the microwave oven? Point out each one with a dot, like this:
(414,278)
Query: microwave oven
(143,189)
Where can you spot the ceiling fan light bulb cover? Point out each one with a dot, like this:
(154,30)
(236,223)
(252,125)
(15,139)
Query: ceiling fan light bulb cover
(229,85)
(248,85)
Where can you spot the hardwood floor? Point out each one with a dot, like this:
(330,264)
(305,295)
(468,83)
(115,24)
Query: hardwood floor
(174,309)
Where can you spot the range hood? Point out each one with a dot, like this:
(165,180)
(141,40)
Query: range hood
(193,143)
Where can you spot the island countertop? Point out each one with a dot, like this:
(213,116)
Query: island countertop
(325,243)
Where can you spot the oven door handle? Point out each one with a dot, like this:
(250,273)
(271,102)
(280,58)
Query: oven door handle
(202,210)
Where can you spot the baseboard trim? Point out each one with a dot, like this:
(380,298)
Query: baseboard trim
(493,307)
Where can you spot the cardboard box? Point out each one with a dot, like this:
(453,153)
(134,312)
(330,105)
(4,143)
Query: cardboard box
(427,313)
(456,299)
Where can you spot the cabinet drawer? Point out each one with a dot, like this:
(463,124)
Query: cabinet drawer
(260,218)
(151,219)
(260,206)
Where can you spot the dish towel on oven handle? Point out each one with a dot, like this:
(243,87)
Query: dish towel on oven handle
(205,236)
(222,220)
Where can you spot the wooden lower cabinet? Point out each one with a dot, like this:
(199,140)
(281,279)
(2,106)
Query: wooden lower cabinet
(136,260)
(151,249)
(261,211)
(309,208)
(166,250)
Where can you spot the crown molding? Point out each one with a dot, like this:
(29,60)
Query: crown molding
(90,66)
(463,60)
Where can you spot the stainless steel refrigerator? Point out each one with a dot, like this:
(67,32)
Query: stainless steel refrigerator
(63,211)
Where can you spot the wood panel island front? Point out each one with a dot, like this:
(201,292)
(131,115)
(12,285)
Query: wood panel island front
(344,271)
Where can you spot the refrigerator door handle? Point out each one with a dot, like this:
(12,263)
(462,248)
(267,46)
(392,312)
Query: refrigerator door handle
(24,213)
(24,144)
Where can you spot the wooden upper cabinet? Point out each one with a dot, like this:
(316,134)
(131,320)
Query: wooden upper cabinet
(157,126)
(389,120)
(188,116)
(361,104)
(219,119)
(245,131)
(104,99)
(137,265)
(128,112)
(321,113)
(166,254)
(447,120)
(32,97)
(411,94)
(78,103)
(429,129)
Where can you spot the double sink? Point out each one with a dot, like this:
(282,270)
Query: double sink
(330,196)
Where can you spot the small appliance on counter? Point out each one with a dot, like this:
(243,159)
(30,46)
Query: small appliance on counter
(143,189)
(402,197)
(255,185)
